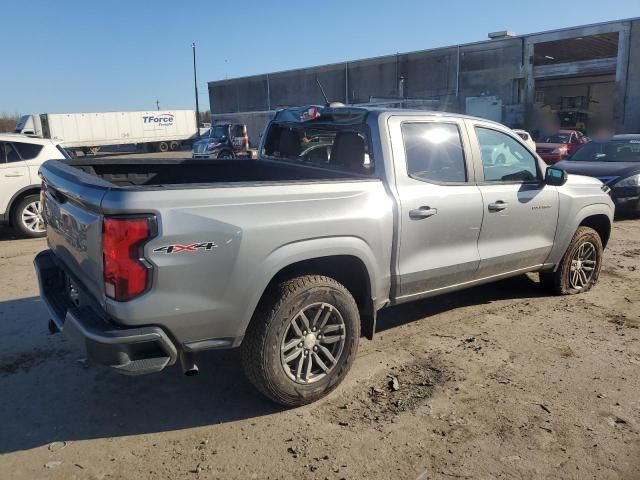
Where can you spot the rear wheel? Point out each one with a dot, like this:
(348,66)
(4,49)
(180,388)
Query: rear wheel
(174,146)
(27,217)
(163,147)
(580,266)
(302,340)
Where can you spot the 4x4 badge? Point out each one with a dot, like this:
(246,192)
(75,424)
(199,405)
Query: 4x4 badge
(193,247)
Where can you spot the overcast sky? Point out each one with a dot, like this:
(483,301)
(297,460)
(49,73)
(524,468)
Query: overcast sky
(73,56)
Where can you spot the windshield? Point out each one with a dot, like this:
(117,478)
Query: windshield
(218,131)
(557,138)
(609,151)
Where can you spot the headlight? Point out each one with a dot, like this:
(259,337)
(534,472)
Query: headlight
(632,181)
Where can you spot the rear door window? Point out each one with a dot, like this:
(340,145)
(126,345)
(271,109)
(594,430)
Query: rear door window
(434,152)
(11,154)
(28,151)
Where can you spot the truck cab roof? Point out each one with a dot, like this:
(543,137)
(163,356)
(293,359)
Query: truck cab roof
(358,114)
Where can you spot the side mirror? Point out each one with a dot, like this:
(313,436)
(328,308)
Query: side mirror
(555,176)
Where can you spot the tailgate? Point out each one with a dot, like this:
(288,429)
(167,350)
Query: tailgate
(74,222)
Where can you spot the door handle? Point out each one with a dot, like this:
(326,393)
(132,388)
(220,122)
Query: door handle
(498,206)
(14,174)
(422,212)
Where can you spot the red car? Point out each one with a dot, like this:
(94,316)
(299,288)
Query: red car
(556,147)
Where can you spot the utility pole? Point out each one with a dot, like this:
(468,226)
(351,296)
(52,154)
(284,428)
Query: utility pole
(157,104)
(195,85)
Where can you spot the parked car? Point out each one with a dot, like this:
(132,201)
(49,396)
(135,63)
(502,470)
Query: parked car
(526,137)
(20,158)
(560,145)
(223,141)
(615,162)
(291,256)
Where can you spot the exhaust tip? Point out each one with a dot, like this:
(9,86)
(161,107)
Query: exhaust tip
(189,367)
(53,328)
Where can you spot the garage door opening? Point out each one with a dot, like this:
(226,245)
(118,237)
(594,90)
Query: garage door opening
(575,84)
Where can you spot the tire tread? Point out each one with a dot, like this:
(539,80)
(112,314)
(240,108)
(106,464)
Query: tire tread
(254,347)
(556,281)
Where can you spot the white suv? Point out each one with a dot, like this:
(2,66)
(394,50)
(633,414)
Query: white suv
(20,158)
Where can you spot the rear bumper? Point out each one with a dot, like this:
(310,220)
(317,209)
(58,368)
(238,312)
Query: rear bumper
(131,351)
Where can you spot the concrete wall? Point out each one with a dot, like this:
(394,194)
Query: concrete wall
(447,77)
(239,95)
(288,88)
(489,68)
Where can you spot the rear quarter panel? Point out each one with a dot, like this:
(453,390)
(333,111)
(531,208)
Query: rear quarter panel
(257,230)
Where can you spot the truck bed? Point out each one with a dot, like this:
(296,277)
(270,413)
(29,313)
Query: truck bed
(255,212)
(157,172)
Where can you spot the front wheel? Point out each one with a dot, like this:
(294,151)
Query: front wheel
(225,155)
(27,217)
(580,266)
(302,340)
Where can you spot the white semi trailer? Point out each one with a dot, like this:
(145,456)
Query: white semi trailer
(88,132)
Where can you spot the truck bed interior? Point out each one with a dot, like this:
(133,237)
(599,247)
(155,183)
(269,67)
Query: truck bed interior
(151,172)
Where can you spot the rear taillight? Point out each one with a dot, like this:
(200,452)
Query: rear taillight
(125,274)
(245,141)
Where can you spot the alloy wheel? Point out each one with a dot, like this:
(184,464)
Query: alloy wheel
(313,343)
(583,265)
(32,217)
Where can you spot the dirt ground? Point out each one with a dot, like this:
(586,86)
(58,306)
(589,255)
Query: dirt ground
(501,381)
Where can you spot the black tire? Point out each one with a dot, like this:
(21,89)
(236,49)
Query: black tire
(163,147)
(17,217)
(560,282)
(266,335)
(173,146)
(225,155)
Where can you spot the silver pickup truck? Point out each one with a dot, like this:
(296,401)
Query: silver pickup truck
(290,257)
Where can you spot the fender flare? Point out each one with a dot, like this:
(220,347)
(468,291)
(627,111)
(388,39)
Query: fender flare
(300,251)
(566,233)
(16,196)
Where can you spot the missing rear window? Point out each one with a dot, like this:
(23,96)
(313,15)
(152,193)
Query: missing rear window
(331,146)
